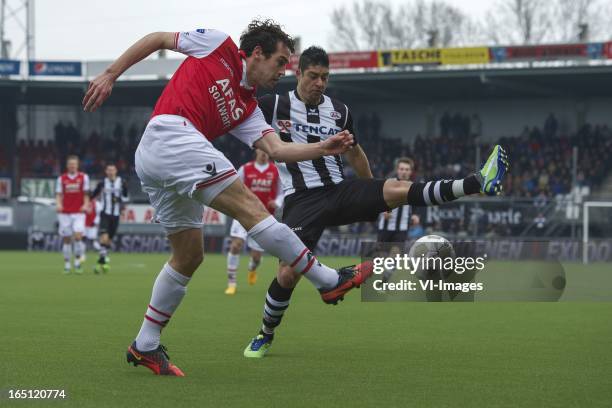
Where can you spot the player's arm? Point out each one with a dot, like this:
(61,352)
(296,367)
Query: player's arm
(296,152)
(94,194)
(85,207)
(59,196)
(356,156)
(100,88)
(255,132)
(359,162)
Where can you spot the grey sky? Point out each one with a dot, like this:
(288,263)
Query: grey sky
(100,30)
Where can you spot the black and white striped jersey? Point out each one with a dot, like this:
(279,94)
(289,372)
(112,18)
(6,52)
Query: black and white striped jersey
(399,219)
(297,122)
(113,194)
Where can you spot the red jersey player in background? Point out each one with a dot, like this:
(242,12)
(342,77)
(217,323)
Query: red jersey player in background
(262,178)
(72,201)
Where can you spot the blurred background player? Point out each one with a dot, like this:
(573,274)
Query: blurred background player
(261,177)
(393,225)
(112,194)
(92,221)
(72,202)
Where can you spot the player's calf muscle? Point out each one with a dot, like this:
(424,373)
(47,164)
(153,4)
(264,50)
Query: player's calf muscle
(395,192)
(287,277)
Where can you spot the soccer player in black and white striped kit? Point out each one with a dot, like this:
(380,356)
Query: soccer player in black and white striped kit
(393,224)
(316,192)
(112,193)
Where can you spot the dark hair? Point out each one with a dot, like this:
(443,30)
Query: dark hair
(110,164)
(312,56)
(267,34)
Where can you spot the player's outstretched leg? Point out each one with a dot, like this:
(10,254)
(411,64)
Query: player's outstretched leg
(488,180)
(279,240)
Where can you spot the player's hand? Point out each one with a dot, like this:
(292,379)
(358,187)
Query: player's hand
(338,143)
(85,208)
(387,215)
(59,208)
(98,91)
(272,205)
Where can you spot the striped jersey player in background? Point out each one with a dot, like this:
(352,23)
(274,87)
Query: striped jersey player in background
(317,195)
(393,224)
(261,177)
(72,202)
(112,193)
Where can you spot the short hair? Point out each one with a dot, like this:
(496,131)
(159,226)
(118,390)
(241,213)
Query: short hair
(405,160)
(110,164)
(267,34)
(313,56)
(72,157)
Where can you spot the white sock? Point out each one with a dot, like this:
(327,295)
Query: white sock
(168,291)
(233,261)
(253,264)
(280,241)
(79,250)
(67,251)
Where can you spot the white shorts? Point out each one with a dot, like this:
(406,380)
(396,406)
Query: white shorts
(181,171)
(238,231)
(91,233)
(70,224)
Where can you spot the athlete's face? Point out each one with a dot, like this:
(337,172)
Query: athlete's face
(111,172)
(72,166)
(261,157)
(312,83)
(267,71)
(404,171)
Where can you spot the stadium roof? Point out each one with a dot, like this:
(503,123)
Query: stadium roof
(578,81)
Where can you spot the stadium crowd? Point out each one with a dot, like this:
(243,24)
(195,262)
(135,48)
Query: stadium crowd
(541,156)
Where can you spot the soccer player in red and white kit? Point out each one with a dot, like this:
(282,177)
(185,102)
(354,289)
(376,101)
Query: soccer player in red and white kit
(212,93)
(72,202)
(262,178)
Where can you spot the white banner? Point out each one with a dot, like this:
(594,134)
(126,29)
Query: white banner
(143,213)
(6,217)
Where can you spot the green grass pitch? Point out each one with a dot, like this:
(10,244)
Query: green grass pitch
(71,332)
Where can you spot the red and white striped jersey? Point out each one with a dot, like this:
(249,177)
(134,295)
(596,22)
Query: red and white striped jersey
(210,88)
(73,188)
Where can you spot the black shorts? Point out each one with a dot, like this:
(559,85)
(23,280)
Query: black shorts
(392,236)
(109,225)
(308,212)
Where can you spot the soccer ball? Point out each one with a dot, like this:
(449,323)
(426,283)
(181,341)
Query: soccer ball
(432,246)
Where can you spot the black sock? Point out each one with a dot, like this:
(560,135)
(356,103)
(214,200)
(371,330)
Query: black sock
(277,301)
(442,191)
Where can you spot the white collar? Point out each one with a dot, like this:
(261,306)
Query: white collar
(244,83)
